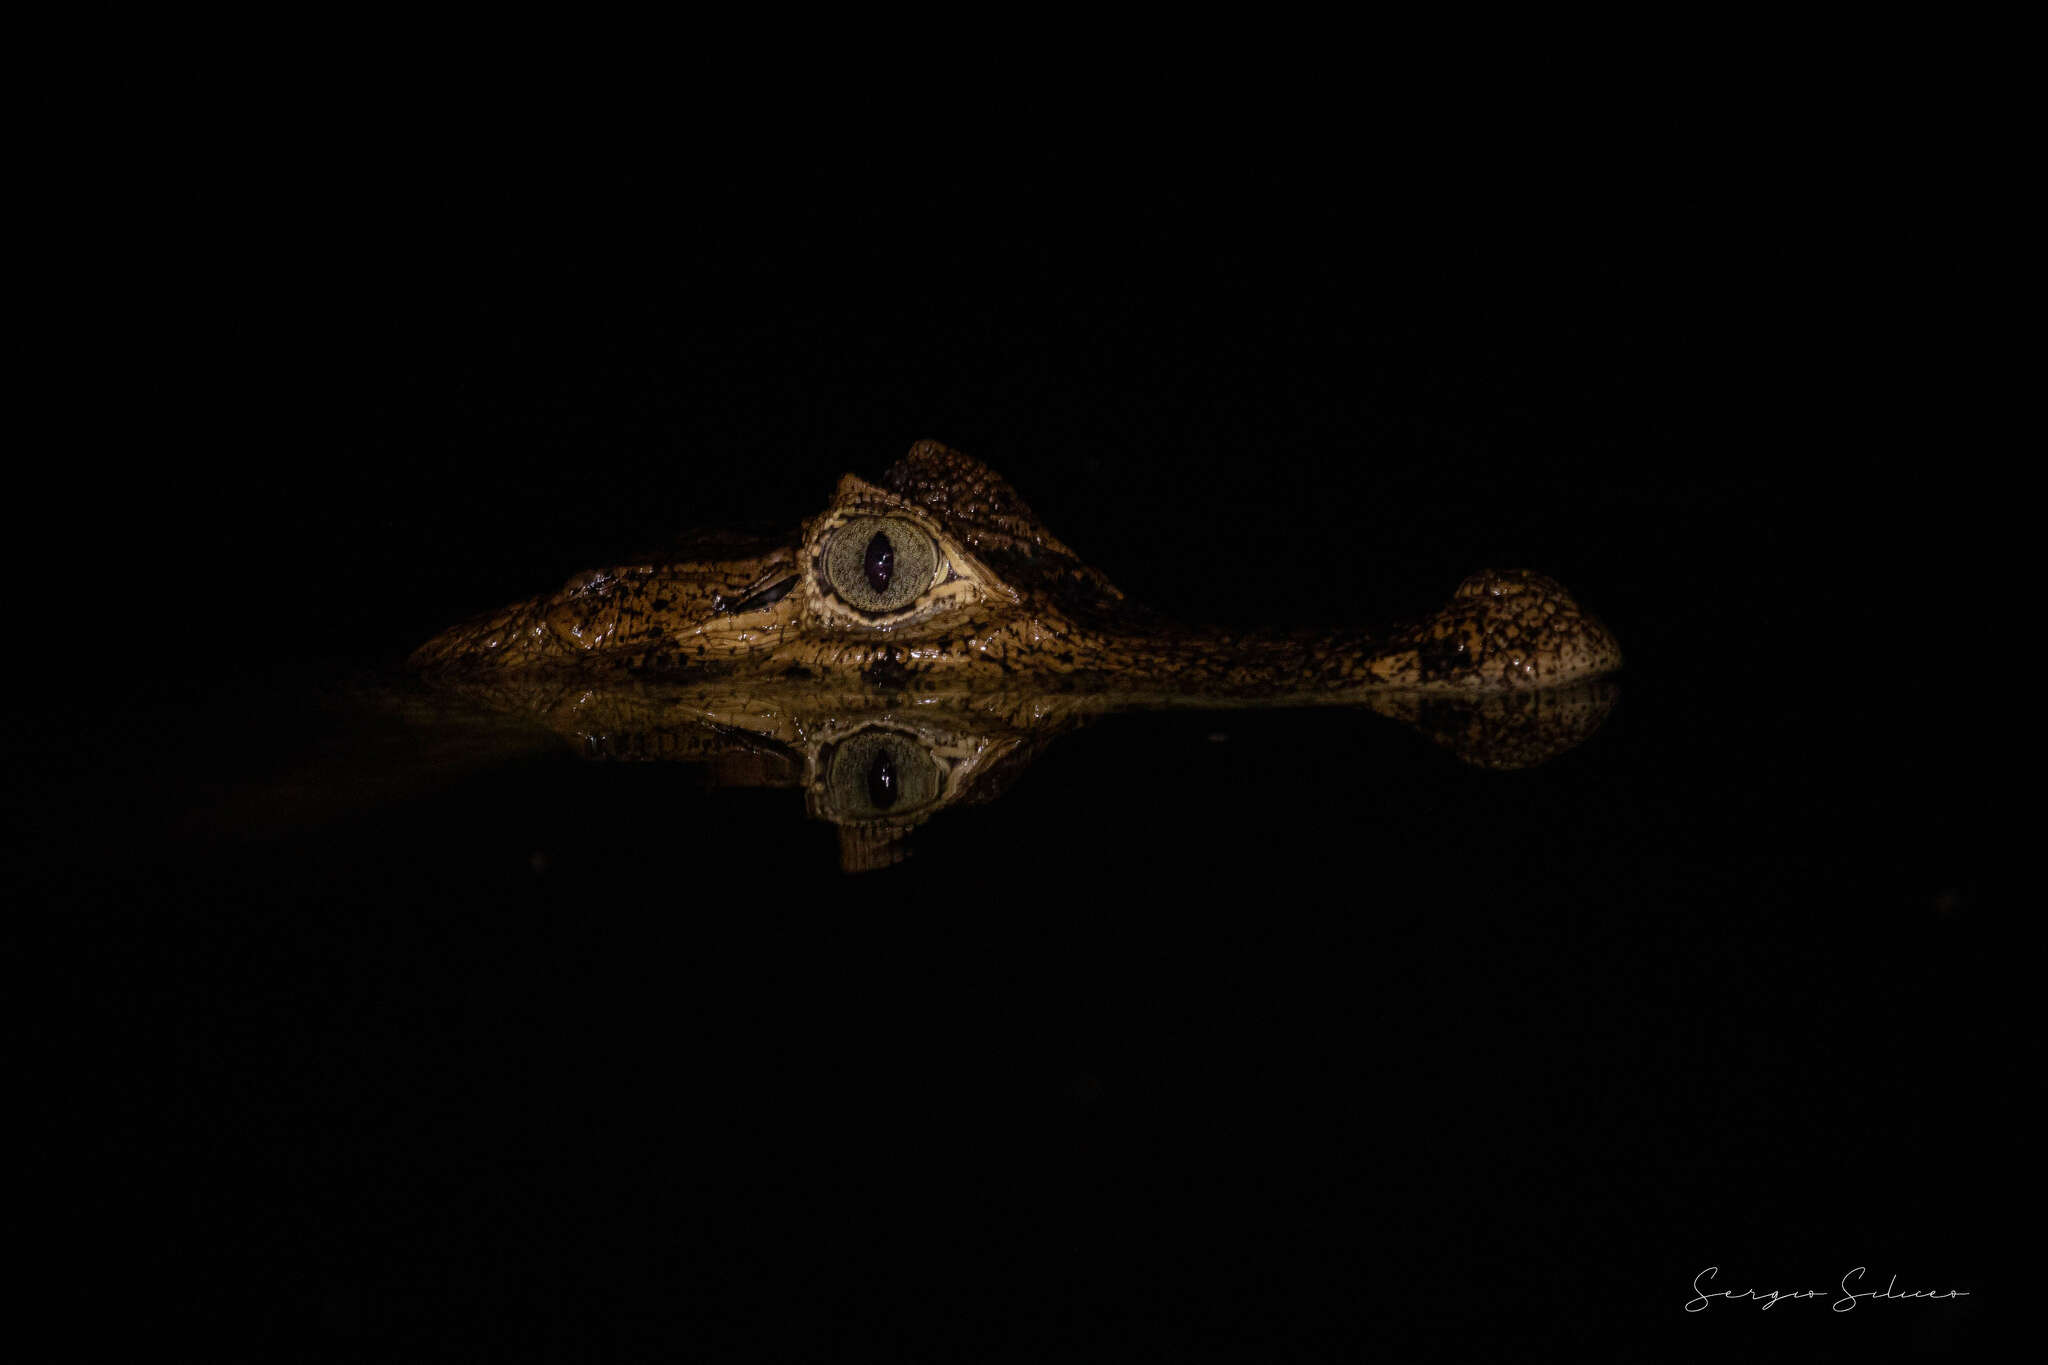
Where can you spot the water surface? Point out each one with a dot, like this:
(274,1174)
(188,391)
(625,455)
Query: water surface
(1231,1028)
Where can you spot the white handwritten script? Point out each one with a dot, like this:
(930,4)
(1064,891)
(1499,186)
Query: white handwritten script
(1702,1299)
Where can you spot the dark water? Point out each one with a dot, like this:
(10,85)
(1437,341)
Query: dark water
(1262,1036)
(1237,1032)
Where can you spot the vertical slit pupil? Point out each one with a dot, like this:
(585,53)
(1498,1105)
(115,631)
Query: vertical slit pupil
(882,788)
(879,562)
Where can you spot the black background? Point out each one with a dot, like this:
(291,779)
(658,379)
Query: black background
(1262,1048)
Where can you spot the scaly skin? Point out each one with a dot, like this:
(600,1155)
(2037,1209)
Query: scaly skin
(1006,604)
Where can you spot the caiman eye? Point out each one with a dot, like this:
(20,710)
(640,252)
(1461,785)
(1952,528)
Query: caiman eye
(880,772)
(880,564)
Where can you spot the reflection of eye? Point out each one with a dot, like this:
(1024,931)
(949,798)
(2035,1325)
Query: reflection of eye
(880,563)
(879,772)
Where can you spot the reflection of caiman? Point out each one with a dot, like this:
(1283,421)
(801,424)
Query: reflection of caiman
(878,764)
(920,641)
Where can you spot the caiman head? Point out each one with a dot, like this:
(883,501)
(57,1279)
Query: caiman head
(940,575)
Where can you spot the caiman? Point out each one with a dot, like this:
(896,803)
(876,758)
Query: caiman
(918,642)
(941,576)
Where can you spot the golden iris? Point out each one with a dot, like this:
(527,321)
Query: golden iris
(880,564)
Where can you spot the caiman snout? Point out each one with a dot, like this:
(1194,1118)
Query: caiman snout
(1503,628)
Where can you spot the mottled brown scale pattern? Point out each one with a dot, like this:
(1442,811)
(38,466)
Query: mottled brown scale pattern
(991,519)
(1010,605)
